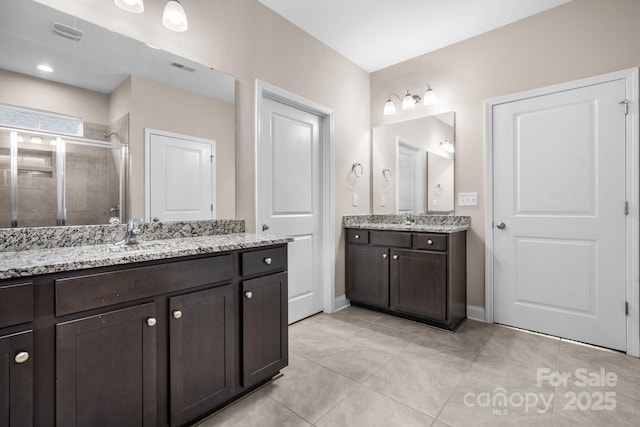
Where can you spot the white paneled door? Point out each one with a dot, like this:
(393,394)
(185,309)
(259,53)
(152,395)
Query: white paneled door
(180,177)
(289,197)
(559,228)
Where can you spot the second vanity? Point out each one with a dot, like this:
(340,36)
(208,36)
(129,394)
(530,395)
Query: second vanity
(412,268)
(156,334)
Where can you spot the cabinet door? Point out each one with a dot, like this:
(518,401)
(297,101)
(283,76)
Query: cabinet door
(368,275)
(419,283)
(16,380)
(201,360)
(265,342)
(106,369)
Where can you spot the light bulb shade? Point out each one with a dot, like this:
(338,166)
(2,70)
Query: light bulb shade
(389,107)
(430,97)
(408,103)
(133,6)
(174,17)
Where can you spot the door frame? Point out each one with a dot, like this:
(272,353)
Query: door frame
(631,77)
(147,167)
(327,179)
(420,167)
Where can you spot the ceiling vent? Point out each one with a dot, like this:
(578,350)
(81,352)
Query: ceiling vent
(183,67)
(66,31)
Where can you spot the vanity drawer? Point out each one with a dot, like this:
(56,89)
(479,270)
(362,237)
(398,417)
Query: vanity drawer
(263,261)
(432,242)
(16,304)
(390,238)
(81,293)
(357,236)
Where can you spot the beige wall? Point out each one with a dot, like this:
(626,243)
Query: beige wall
(162,107)
(244,38)
(576,40)
(31,92)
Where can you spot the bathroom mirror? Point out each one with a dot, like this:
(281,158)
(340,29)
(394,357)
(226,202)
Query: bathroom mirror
(413,166)
(116,87)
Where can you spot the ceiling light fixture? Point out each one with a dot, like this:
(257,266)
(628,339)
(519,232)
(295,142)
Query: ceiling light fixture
(409,101)
(174,17)
(133,6)
(45,68)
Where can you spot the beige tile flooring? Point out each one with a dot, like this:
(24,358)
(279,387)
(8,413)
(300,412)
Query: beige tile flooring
(363,368)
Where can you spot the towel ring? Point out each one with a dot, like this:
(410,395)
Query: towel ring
(386,173)
(355,168)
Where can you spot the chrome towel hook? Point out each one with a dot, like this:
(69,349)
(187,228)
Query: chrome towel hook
(357,170)
(386,174)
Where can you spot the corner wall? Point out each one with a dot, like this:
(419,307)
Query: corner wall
(579,39)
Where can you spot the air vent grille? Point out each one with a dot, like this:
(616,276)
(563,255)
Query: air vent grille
(183,67)
(66,31)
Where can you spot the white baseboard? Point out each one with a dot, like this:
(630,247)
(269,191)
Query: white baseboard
(341,303)
(476,313)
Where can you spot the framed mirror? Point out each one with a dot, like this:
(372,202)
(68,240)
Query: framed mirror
(100,92)
(413,166)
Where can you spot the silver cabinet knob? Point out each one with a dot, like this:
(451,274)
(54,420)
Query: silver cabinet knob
(395,257)
(151,321)
(429,242)
(248,294)
(384,256)
(155,219)
(357,236)
(268,261)
(22,357)
(177,314)
(501,225)
(265,227)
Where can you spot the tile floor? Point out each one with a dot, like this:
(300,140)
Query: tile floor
(363,368)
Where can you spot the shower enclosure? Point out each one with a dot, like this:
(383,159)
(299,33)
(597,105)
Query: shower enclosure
(48,179)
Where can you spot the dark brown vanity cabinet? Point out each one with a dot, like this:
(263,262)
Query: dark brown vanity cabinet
(106,369)
(158,343)
(201,356)
(16,379)
(421,276)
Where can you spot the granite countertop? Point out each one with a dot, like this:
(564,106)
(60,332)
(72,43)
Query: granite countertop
(417,223)
(23,263)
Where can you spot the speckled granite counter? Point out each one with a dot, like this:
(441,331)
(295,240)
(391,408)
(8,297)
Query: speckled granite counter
(419,223)
(32,262)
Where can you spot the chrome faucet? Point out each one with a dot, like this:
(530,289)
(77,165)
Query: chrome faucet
(133,231)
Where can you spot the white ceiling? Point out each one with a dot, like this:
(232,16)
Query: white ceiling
(376,34)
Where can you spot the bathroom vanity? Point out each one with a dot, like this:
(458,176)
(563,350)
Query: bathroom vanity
(155,334)
(414,269)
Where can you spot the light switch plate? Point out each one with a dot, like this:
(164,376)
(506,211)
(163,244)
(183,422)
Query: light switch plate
(355,200)
(467,199)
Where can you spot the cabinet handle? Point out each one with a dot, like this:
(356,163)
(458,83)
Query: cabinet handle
(268,261)
(22,357)
(384,256)
(429,242)
(357,236)
(395,257)
(248,294)
(151,321)
(177,314)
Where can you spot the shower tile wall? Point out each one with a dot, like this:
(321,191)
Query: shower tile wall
(91,185)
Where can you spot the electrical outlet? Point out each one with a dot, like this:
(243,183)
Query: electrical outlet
(467,199)
(355,200)
(383,201)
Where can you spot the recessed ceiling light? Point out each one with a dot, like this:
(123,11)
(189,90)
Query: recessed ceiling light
(152,46)
(45,68)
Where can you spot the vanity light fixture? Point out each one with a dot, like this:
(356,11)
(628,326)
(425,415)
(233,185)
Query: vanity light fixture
(174,17)
(447,146)
(133,6)
(409,101)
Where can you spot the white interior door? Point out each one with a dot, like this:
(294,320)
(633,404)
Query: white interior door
(179,177)
(411,182)
(289,197)
(559,214)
